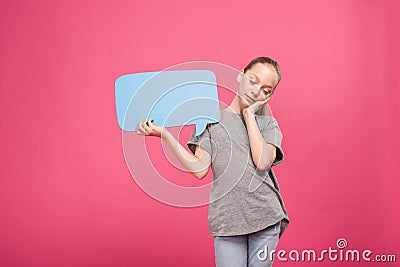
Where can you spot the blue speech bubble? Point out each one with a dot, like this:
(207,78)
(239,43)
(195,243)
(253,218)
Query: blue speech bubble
(172,98)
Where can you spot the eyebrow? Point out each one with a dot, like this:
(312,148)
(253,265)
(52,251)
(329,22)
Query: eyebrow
(269,86)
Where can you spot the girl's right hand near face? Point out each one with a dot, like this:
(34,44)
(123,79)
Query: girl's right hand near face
(148,129)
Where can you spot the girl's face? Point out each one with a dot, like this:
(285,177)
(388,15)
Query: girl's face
(257,84)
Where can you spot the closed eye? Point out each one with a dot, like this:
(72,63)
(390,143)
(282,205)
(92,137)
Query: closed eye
(267,92)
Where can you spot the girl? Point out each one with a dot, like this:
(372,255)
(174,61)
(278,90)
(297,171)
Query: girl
(246,214)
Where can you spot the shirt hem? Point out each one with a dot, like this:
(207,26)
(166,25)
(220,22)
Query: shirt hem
(247,232)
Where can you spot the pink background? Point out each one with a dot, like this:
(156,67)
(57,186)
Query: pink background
(66,195)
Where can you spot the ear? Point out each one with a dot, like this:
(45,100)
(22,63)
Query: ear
(239,76)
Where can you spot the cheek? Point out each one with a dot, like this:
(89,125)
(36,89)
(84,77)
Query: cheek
(244,86)
(241,88)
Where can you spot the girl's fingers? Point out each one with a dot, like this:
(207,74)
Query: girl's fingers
(150,123)
(147,129)
(141,127)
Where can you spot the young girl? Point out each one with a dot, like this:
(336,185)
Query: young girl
(246,214)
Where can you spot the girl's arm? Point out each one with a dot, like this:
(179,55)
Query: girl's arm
(197,164)
(263,154)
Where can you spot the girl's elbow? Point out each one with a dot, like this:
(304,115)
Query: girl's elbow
(200,174)
(263,167)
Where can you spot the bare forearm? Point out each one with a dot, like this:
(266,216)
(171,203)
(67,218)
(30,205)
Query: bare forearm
(263,154)
(189,161)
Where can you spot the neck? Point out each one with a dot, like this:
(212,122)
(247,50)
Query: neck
(237,105)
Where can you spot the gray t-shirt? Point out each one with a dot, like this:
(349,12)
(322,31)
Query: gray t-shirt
(243,199)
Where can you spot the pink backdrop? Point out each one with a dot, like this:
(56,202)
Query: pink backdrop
(66,195)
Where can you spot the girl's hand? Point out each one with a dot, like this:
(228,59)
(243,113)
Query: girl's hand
(148,129)
(253,108)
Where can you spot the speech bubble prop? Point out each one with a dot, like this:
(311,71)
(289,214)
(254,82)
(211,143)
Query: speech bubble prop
(157,95)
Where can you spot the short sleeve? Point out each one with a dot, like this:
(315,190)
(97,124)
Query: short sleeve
(203,140)
(272,135)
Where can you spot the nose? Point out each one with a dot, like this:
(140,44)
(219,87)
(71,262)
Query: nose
(255,89)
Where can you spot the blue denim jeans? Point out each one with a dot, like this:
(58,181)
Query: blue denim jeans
(250,250)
